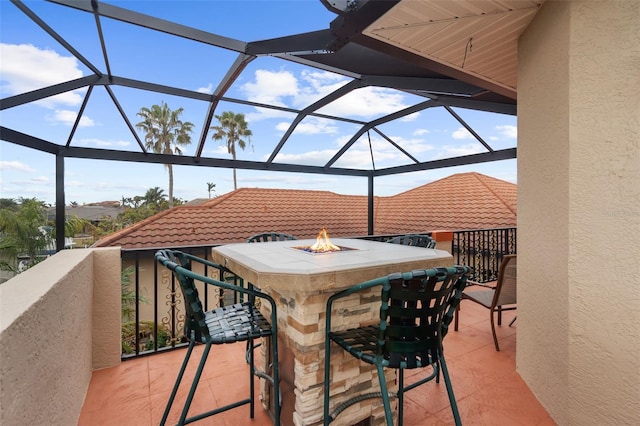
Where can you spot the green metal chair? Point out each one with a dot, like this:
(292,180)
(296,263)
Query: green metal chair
(240,322)
(499,298)
(416,310)
(414,240)
(270,236)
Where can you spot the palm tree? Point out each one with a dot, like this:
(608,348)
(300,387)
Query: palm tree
(154,197)
(232,128)
(210,187)
(165,133)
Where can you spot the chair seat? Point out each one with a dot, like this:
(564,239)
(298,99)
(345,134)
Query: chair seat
(362,343)
(483,297)
(236,323)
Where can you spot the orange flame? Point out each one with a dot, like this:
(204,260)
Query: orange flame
(323,243)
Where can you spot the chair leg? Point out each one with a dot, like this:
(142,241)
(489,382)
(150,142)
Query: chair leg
(513,320)
(177,384)
(493,330)
(385,396)
(251,373)
(499,315)
(327,359)
(400,396)
(452,398)
(455,318)
(276,379)
(194,385)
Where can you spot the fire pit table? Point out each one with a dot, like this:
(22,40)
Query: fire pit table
(301,281)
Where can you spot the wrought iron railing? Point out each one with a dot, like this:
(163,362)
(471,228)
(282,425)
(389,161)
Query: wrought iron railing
(157,319)
(483,250)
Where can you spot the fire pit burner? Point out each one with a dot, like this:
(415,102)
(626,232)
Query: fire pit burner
(322,245)
(308,249)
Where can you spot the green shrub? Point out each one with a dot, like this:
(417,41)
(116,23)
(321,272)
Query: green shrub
(146,335)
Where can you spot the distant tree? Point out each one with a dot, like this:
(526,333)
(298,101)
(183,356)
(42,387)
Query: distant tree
(9,203)
(211,187)
(233,128)
(154,197)
(136,201)
(74,225)
(165,133)
(108,225)
(23,232)
(126,201)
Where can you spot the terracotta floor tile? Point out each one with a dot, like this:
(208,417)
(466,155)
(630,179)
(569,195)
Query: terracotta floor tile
(487,388)
(203,401)
(507,402)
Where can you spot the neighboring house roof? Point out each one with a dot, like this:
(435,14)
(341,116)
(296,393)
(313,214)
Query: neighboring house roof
(90,213)
(462,201)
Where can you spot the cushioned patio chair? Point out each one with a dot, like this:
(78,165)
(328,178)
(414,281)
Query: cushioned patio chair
(270,236)
(416,310)
(498,298)
(414,240)
(240,322)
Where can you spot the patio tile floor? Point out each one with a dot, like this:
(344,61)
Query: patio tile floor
(487,388)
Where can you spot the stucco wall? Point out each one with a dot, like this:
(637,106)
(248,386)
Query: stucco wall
(47,330)
(579,210)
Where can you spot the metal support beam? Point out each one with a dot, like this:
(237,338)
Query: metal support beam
(370,205)
(60,203)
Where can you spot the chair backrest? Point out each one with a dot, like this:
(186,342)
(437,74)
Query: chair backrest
(506,286)
(414,240)
(178,262)
(270,236)
(417,308)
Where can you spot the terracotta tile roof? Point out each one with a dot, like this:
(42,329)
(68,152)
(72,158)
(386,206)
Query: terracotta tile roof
(462,201)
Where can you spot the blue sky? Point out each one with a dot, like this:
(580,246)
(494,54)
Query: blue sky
(31,59)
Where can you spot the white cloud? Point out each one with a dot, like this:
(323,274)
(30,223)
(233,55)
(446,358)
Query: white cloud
(411,117)
(420,132)
(359,154)
(462,133)
(208,89)
(271,87)
(310,126)
(283,88)
(15,165)
(314,158)
(41,179)
(102,143)
(25,67)
(449,151)
(366,102)
(508,131)
(74,184)
(68,118)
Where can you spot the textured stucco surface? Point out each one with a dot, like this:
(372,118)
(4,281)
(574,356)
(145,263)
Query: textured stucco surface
(579,210)
(107,309)
(46,335)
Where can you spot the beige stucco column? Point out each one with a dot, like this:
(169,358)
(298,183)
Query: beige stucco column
(579,210)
